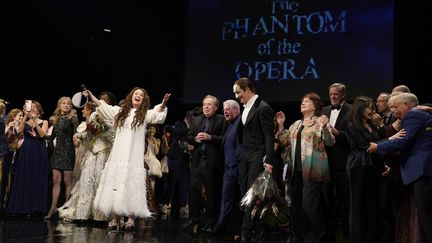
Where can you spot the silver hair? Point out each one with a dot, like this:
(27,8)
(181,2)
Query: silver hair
(408,98)
(232,103)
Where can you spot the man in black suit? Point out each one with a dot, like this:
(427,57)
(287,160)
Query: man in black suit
(205,135)
(258,142)
(338,192)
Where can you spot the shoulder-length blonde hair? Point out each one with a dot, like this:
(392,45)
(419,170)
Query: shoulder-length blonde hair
(57,111)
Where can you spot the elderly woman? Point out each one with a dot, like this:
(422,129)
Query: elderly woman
(307,169)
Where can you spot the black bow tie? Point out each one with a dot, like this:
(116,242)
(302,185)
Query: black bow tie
(337,107)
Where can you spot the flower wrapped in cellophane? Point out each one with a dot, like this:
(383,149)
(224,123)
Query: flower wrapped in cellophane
(95,133)
(265,202)
(95,127)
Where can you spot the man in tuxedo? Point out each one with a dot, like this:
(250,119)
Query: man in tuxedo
(416,152)
(258,142)
(205,135)
(338,193)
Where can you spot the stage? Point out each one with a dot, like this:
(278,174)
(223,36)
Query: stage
(162,229)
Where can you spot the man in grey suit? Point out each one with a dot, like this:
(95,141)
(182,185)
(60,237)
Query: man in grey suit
(258,141)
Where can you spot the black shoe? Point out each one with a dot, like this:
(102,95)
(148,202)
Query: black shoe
(205,228)
(187,224)
(190,227)
(218,229)
(129,226)
(245,239)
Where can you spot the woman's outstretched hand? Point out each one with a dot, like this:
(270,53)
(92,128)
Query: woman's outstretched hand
(165,99)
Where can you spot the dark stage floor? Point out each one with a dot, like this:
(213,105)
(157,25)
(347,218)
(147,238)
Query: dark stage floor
(166,229)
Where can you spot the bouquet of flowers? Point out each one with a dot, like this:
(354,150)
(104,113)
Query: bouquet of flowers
(95,127)
(265,203)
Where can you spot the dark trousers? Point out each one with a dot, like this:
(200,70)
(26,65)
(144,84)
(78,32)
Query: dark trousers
(210,178)
(310,211)
(230,192)
(176,188)
(338,195)
(423,198)
(249,171)
(297,212)
(364,214)
(387,219)
(5,177)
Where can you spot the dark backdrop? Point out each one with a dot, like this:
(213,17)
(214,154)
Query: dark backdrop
(54,46)
(320,42)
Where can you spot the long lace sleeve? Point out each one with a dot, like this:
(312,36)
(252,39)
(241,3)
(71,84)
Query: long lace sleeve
(155,117)
(107,112)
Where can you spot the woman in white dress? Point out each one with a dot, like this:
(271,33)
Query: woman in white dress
(153,146)
(153,164)
(122,188)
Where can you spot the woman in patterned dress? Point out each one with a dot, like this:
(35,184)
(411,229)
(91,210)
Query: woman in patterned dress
(63,157)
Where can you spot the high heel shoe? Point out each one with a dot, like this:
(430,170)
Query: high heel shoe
(50,214)
(129,225)
(114,225)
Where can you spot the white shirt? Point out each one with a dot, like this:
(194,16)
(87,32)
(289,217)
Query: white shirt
(334,113)
(187,123)
(247,108)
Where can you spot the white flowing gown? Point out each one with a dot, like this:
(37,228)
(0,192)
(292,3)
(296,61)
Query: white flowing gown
(122,189)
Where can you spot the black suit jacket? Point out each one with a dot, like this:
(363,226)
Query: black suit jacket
(213,147)
(258,136)
(389,121)
(338,153)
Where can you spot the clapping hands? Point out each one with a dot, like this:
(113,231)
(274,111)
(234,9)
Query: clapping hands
(323,120)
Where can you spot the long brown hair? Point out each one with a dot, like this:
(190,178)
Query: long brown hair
(12,114)
(140,113)
(357,116)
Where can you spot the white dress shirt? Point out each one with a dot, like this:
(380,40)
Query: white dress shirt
(247,108)
(334,113)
